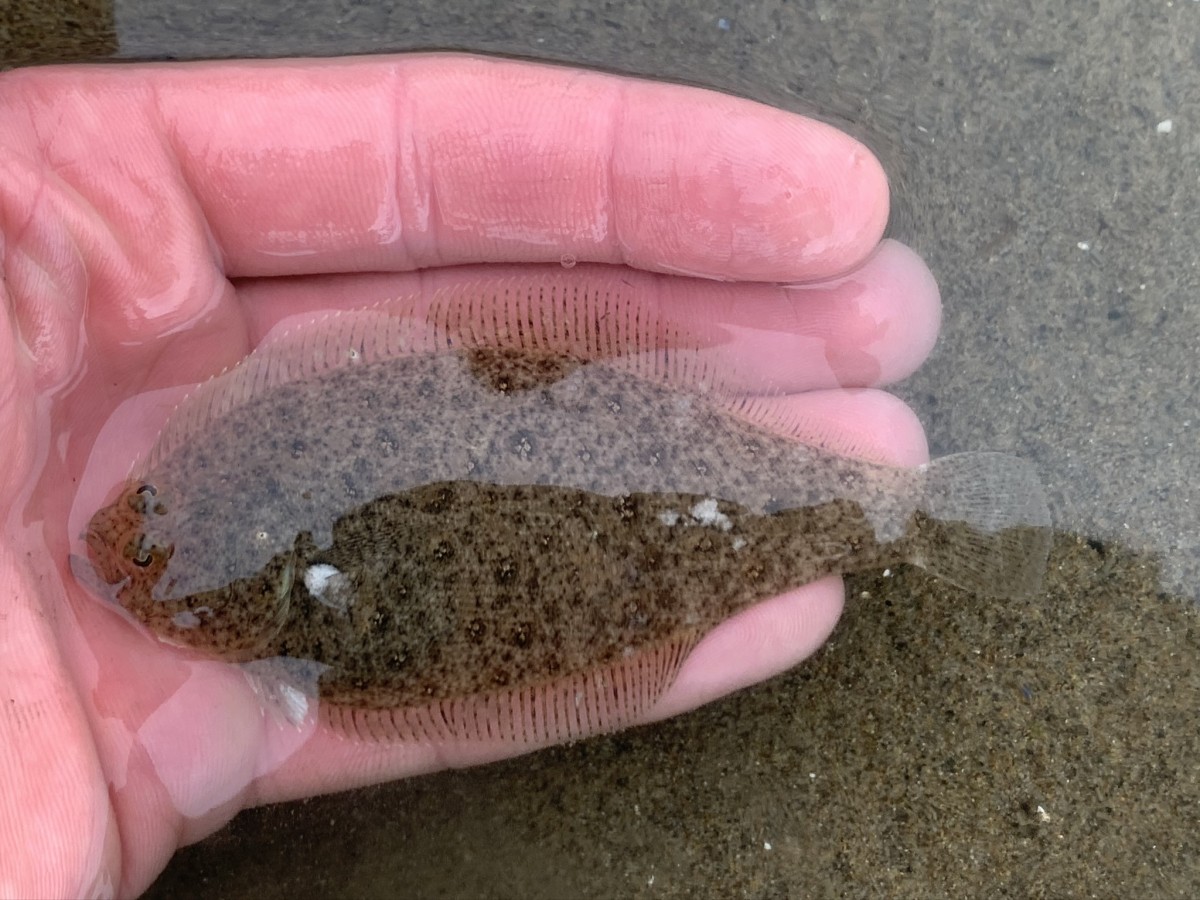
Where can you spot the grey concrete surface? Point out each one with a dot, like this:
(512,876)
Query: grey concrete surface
(939,745)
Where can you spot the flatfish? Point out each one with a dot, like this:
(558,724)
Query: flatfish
(512,511)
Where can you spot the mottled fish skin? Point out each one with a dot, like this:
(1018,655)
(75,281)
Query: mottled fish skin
(433,526)
(551,581)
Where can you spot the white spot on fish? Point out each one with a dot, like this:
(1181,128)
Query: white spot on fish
(669,517)
(329,585)
(739,543)
(190,618)
(292,703)
(288,687)
(317,577)
(706,513)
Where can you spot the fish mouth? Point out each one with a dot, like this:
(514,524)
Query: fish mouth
(105,533)
(102,556)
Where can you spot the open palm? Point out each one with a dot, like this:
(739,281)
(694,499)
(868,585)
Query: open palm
(157,221)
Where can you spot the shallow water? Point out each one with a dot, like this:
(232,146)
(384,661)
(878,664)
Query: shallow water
(936,745)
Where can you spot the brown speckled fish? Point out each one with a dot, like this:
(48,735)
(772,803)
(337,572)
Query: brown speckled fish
(512,519)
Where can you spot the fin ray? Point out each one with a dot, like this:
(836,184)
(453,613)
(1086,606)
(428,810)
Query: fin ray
(602,699)
(986,525)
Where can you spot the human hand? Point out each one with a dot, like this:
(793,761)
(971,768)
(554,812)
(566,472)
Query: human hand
(156,221)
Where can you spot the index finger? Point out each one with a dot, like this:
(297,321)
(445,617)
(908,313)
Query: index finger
(403,163)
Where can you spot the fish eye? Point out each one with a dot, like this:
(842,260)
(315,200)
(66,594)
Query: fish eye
(138,553)
(142,553)
(143,500)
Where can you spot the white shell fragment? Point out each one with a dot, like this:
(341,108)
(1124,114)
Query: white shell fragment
(329,586)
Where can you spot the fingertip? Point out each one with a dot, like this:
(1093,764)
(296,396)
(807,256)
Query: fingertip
(864,424)
(756,644)
(879,323)
(721,187)
(905,281)
(860,185)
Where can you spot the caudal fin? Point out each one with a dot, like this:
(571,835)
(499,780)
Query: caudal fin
(985,524)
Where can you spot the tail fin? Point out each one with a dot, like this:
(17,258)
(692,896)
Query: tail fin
(986,525)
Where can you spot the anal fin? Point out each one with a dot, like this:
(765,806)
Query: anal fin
(602,699)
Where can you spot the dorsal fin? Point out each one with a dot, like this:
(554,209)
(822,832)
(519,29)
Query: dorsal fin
(583,313)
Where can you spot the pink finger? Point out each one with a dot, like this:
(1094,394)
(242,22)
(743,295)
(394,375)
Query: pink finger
(773,636)
(868,328)
(864,424)
(56,828)
(409,162)
(756,644)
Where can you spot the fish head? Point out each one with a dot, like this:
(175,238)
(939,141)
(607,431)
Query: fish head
(129,550)
(118,544)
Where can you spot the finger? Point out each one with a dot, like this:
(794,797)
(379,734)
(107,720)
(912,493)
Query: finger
(864,424)
(866,329)
(102,248)
(56,831)
(773,636)
(17,409)
(179,736)
(432,160)
(409,162)
(756,644)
